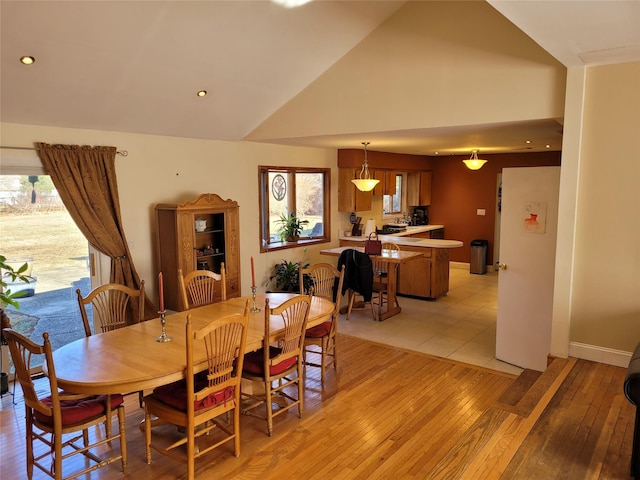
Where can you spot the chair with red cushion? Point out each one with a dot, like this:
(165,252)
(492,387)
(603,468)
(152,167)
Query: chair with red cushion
(326,281)
(58,421)
(195,402)
(279,360)
(112,308)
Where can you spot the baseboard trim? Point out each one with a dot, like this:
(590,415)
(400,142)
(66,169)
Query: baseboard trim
(467,266)
(461,265)
(609,356)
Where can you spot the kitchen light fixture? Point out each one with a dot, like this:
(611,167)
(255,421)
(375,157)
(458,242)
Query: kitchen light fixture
(474,163)
(365,183)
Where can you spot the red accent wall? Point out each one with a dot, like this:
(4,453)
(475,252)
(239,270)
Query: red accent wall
(458,192)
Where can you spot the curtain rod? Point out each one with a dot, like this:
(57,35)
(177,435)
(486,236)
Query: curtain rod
(122,153)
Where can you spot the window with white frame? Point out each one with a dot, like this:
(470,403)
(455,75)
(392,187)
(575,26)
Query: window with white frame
(392,204)
(300,191)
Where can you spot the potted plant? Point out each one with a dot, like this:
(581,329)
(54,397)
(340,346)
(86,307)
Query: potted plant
(9,275)
(290,227)
(7,297)
(286,275)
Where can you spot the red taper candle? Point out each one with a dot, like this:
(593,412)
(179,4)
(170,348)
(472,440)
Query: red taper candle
(161,288)
(253,274)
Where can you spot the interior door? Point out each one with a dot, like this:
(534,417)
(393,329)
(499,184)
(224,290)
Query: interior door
(99,267)
(527,262)
(99,270)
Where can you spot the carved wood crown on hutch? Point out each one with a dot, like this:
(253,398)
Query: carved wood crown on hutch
(207,200)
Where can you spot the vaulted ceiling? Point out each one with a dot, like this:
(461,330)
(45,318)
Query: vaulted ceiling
(135,66)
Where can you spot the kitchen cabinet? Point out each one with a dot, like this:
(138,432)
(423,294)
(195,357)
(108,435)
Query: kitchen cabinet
(427,276)
(387,185)
(418,188)
(350,199)
(424,277)
(180,245)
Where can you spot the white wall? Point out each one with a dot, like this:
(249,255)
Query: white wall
(170,169)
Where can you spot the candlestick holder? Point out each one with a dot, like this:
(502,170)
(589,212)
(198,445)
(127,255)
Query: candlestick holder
(254,308)
(163,336)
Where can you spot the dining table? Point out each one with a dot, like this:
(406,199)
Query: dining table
(130,359)
(392,258)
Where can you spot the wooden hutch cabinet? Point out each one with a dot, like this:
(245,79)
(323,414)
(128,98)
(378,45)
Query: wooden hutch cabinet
(183,245)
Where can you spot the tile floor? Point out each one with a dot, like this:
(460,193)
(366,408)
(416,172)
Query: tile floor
(460,326)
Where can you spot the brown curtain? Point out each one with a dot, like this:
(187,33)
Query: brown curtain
(85,178)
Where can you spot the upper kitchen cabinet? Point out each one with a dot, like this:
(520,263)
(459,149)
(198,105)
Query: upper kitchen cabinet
(418,188)
(350,199)
(387,185)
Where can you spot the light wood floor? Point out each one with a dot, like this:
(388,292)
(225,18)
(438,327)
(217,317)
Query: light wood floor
(394,414)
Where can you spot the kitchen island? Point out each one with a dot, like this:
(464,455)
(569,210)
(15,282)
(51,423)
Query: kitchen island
(426,277)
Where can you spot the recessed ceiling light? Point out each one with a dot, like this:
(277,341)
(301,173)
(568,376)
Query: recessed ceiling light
(528,141)
(202,93)
(27,60)
(548,146)
(436,153)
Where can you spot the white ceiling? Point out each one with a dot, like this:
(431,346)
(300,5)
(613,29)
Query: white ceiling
(135,66)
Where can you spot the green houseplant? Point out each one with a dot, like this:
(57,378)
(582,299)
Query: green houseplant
(286,275)
(7,297)
(290,227)
(9,275)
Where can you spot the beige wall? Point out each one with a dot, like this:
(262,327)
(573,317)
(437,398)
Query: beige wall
(170,169)
(432,72)
(432,64)
(606,290)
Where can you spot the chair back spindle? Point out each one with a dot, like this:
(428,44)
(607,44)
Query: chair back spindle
(112,307)
(202,287)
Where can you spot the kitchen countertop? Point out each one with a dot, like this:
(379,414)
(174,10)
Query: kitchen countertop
(403,239)
(417,229)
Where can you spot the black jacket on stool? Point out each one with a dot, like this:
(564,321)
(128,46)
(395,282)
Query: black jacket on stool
(358,273)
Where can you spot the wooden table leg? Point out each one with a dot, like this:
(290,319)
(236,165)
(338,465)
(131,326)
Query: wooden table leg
(392,308)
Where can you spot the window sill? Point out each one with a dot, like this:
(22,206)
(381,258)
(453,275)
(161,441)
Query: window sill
(303,242)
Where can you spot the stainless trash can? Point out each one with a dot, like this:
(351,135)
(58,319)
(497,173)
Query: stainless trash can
(479,256)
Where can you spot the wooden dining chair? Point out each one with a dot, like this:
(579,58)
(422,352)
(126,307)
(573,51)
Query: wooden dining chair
(326,281)
(112,307)
(197,402)
(202,287)
(61,421)
(279,360)
(381,278)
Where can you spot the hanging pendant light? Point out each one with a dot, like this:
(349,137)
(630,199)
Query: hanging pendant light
(474,163)
(365,183)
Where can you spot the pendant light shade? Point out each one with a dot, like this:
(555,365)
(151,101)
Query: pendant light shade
(365,183)
(474,163)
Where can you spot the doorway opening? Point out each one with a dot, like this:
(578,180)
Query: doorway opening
(37,229)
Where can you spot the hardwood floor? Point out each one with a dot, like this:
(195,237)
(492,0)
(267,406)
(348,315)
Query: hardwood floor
(395,414)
